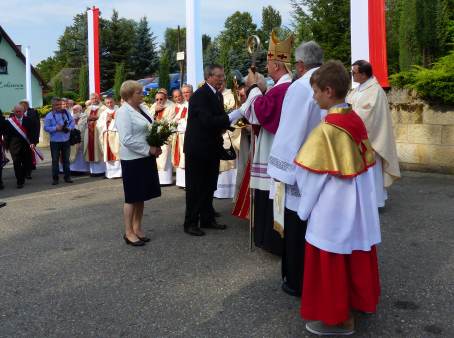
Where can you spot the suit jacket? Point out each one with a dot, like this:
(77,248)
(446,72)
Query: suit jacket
(33,115)
(132,130)
(14,141)
(207,121)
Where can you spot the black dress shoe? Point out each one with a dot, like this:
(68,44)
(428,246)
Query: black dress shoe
(194,231)
(136,243)
(290,291)
(28,177)
(2,204)
(216,214)
(68,180)
(2,186)
(20,185)
(54,182)
(144,239)
(214,225)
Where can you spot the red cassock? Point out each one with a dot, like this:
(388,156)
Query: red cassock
(333,284)
(92,118)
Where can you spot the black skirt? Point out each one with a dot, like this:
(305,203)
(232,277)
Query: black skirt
(140,179)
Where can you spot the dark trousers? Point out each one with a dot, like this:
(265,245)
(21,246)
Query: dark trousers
(293,255)
(265,237)
(60,150)
(22,162)
(201,182)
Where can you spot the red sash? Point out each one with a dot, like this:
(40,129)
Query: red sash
(37,155)
(110,154)
(243,199)
(91,135)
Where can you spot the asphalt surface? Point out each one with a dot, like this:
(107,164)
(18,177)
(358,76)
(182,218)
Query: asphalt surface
(65,271)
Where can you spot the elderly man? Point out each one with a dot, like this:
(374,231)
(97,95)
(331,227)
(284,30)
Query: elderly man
(369,101)
(181,117)
(91,138)
(77,161)
(58,123)
(300,114)
(3,159)
(33,115)
(264,110)
(164,109)
(207,121)
(109,139)
(19,132)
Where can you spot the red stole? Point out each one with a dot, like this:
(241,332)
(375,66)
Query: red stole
(91,134)
(110,155)
(176,152)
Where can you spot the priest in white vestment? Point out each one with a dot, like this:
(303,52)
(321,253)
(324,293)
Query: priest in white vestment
(164,109)
(300,114)
(369,101)
(181,100)
(227,169)
(78,164)
(109,139)
(91,137)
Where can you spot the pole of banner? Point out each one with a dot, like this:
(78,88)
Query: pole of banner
(28,77)
(194,59)
(93,50)
(253,46)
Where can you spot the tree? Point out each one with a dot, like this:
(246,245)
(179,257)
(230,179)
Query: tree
(144,58)
(164,71)
(119,79)
(118,44)
(327,22)
(271,19)
(83,83)
(72,45)
(57,87)
(393,9)
(48,68)
(232,43)
(171,42)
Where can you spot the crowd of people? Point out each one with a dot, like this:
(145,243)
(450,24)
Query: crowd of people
(313,155)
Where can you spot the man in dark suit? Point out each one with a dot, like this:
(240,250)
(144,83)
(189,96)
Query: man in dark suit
(3,158)
(35,121)
(203,145)
(19,128)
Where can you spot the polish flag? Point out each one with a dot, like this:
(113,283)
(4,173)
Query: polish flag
(368,36)
(93,50)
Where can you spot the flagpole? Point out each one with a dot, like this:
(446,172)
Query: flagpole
(93,50)
(28,77)
(194,58)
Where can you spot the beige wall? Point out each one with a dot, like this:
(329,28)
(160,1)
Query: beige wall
(424,133)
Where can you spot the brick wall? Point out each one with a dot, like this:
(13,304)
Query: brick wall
(424,133)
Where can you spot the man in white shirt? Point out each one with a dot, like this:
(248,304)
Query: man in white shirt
(300,114)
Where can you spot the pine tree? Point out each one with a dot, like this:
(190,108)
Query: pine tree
(83,83)
(164,71)
(144,58)
(119,79)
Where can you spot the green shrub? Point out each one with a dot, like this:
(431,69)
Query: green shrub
(434,84)
(149,99)
(42,111)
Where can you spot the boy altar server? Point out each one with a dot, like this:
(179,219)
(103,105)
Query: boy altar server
(338,199)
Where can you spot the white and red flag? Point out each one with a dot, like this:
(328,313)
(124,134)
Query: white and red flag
(93,50)
(368,36)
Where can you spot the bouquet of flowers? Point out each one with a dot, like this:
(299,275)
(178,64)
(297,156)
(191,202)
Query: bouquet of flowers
(159,132)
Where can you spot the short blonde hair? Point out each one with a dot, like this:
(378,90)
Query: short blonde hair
(128,88)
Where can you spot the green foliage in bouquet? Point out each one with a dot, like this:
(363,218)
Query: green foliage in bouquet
(149,98)
(159,133)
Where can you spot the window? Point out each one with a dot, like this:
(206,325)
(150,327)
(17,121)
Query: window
(3,66)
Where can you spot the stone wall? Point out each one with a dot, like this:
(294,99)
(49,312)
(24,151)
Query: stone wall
(424,133)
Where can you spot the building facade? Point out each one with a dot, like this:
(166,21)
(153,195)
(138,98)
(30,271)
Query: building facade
(12,76)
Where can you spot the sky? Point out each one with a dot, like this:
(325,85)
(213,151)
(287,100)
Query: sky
(39,23)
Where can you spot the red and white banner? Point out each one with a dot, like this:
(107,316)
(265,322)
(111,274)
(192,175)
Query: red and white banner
(37,154)
(368,36)
(93,50)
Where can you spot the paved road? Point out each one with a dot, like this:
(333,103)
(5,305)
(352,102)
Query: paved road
(65,272)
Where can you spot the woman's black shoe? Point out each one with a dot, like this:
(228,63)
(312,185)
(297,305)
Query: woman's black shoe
(137,243)
(144,239)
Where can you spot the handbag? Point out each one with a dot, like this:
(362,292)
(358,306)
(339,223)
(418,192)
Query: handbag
(228,154)
(75,137)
